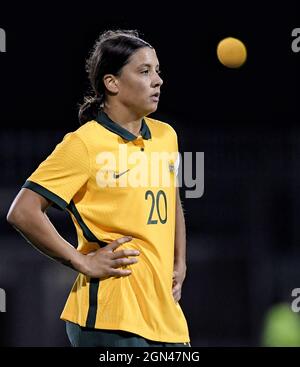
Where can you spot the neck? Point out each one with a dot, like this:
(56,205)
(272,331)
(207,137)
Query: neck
(125,118)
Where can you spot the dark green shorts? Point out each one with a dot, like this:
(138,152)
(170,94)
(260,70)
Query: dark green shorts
(86,337)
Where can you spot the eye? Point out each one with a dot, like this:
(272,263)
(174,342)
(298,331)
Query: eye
(145,72)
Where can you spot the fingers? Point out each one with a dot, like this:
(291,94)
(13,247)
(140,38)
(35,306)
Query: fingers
(118,242)
(176,290)
(120,258)
(177,296)
(120,272)
(124,253)
(123,262)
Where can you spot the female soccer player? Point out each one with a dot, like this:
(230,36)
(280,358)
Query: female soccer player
(109,175)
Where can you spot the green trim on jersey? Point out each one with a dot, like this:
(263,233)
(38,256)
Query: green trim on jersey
(59,203)
(85,229)
(93,302)
(104,120)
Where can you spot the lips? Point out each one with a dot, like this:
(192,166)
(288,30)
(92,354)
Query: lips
(155,97)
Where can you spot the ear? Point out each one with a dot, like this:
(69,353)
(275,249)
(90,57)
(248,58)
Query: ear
(111,83)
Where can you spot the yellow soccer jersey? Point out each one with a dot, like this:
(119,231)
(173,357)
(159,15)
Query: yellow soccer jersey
(115,184)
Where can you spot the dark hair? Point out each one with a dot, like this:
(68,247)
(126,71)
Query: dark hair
(110,53)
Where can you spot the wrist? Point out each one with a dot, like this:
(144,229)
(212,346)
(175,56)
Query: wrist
(180,264)
(79,262)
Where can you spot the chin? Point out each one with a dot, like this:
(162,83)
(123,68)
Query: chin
(149,109)
(153,109)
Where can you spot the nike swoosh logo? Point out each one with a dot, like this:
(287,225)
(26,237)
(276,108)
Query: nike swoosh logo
(117,175)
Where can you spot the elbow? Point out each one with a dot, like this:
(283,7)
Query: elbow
(11,216)
(25,208)
(15,216)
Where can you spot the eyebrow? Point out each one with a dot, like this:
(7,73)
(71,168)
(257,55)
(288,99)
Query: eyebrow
(147,65)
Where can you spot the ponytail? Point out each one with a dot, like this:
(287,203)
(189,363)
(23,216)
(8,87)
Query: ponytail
(109,55)
(89,109)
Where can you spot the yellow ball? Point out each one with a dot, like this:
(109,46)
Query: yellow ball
(231,52)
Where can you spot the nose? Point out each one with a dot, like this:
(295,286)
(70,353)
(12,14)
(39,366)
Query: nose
(157,81)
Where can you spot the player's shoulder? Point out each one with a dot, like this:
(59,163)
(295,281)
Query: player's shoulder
(160,125)
(87,131)
(84,137)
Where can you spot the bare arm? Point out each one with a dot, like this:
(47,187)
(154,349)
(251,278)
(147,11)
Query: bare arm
(180,233)
(27,215)
(180,250)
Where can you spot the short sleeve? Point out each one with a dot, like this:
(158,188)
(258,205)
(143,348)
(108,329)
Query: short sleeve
(60,176)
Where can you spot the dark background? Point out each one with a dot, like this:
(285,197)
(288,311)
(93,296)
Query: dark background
(243,234)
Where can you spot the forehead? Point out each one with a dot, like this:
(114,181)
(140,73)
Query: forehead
(145,55)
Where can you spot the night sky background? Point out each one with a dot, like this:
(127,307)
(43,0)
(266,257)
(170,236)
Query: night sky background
(243,234)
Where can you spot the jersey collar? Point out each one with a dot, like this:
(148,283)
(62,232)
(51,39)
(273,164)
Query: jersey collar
(109,124)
